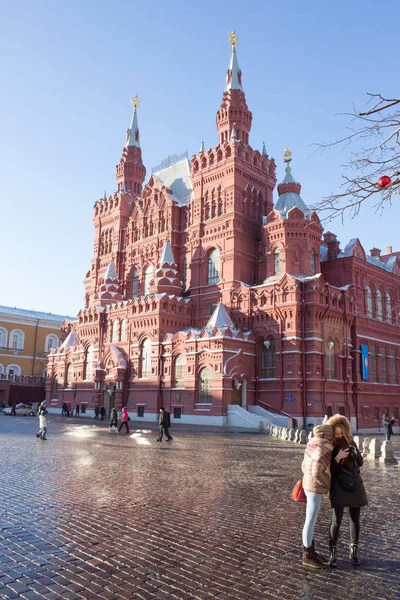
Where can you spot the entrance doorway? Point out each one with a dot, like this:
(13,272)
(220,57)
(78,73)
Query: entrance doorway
(108,400)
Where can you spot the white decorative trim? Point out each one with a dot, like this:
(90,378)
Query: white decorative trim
(56,339)
(21,335)
(3,329)
(13,366)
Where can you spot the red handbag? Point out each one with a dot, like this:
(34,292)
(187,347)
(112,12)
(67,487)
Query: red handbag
(298,492)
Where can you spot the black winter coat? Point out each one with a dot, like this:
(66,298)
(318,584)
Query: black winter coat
(341,498)
(164,419)
(387,423)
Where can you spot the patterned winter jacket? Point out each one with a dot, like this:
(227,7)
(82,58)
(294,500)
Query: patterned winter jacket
(316,465)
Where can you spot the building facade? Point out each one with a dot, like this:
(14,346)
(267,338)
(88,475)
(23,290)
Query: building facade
(26,337)
(202,294)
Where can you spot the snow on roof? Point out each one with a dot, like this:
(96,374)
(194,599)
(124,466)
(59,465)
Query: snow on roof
(177,178)
(22,312)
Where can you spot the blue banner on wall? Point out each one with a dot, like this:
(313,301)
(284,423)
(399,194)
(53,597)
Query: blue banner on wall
(364,362)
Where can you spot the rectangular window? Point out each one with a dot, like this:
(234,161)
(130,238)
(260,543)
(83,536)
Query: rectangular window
(177,412)
(386,409)
(365,412)
(83,408)
(140,411)
(396,413)
(393,366)
(372,364)
(383,366)
(329,411)
(341,411)
(375,411)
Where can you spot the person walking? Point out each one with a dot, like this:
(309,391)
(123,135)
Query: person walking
(77,410)
(124,420)
(102,413)
(164,423)
(316,469)
(347,488)
(113,426)
(42,412)
(387,424)
(96,412)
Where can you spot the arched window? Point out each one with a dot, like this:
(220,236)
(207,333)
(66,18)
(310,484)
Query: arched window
(52,341)
(135,284)
(379,305)
(370,309)
(114,331)
(13,371)
(146,359)
(180,371)
(268,359)
(205,396)
(54,391)
(184,274)
(330,363)
(313,262)
(123,331)
(70,375)
(3,337)
(148,276)
(389,314)
(89,357)
(277,262)
(373,374)
(213,267)
(17,339)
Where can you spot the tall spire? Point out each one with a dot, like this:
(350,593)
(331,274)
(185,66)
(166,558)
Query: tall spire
(132,137)
(234,74)
(233,113)
(130,171)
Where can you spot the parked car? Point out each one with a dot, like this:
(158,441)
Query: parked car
(21,409)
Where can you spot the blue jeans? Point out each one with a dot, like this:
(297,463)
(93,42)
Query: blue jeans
(388,436)
(312,510)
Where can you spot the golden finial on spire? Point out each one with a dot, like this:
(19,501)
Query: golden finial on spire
(135,102)
(287,157)
(233,39)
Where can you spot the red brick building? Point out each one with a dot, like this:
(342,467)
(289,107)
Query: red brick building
(203,296)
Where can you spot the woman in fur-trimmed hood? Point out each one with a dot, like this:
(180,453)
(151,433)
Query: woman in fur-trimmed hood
(345,469)
(316,469)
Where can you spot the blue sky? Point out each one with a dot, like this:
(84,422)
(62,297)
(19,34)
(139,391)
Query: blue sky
(68,70)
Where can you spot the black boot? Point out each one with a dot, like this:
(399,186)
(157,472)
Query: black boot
(321,559)
(353,555)
(333,557)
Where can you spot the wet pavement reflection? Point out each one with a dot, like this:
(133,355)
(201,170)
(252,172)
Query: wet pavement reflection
(92,514)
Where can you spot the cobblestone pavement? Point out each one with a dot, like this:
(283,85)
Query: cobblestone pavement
(89,514)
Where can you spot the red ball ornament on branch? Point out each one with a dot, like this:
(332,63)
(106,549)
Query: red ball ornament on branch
(384,182)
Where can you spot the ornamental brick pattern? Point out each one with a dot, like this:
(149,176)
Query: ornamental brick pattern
(194,235)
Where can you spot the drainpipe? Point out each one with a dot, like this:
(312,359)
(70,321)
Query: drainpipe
(129,370)
(323,370)
(303,347)
(34,347)
(278,310)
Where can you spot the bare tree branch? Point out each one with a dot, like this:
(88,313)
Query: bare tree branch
(381,125)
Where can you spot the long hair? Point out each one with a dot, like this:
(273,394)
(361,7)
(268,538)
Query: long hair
(342,422)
